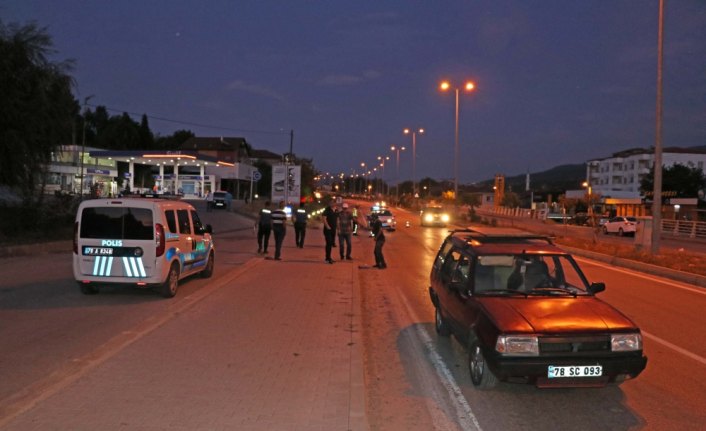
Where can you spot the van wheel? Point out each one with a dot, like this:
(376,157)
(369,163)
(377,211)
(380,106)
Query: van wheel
(208,271)
(169,288)
(441,326)
(88,289)
(481,376)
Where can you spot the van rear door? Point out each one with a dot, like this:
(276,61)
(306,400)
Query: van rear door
(116,241)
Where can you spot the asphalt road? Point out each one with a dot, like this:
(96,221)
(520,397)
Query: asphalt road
(413,379)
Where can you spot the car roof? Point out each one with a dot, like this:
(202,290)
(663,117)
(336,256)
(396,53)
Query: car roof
(482,241)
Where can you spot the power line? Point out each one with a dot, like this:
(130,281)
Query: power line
(188,123)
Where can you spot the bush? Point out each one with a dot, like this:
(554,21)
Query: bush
(50,222)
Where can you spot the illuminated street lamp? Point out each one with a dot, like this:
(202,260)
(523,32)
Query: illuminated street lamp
(414,156)
(468,87)
(590,200)
(382,160)
(397,150)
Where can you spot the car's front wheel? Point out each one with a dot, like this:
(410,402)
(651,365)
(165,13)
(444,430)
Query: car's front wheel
(621,232)
(481,376)
(442,327)
(169,287)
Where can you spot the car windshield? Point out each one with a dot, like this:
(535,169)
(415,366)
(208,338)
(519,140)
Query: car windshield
(219,195)
(383,213)
(434,210)
(551,275)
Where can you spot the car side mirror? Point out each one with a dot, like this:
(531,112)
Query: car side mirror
(209,229)
(595,288)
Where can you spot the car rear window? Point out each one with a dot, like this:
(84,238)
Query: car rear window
(117,223)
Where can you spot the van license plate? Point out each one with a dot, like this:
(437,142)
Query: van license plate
(575,371)
(97,251)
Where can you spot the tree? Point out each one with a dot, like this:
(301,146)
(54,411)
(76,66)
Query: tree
(683,180)
(511,200)
(37,111)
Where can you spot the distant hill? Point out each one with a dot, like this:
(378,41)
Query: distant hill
(555,180)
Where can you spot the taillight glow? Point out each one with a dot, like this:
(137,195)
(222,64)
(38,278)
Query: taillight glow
(159,239)
(76,238)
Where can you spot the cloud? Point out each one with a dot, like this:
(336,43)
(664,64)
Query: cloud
(340,80)
(239,85)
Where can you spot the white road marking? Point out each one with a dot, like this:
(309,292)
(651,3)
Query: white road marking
(680,285)
(466,419)
(676,348)
(661,280)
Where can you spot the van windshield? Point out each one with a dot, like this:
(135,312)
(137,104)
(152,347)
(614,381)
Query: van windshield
(117,223)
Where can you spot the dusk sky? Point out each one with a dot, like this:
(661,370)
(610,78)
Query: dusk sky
(557,81)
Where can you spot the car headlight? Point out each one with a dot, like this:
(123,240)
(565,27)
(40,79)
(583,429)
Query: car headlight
(444,217)
(428,217)
(517,345)
(625,342)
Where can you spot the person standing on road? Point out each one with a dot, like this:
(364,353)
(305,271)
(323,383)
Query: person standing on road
(279,227)
(330,220)
(355,220)
(345,229)
(379,237)
(209,201)
(300,219)
(264,227)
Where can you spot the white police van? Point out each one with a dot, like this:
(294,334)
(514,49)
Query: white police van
(144,242)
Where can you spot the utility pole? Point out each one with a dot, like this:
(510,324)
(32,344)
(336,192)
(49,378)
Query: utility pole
(657,190)
(286,167)
(83,142)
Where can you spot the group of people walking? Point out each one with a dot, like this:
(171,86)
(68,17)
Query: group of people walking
(341,223)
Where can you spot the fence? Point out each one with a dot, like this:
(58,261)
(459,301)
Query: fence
(673,228)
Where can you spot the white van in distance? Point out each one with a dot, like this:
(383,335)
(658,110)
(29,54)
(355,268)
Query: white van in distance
(142,242)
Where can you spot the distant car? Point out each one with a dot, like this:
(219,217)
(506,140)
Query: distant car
(220,200)
(434,216)
(528,314)
(385,216)
(620,225)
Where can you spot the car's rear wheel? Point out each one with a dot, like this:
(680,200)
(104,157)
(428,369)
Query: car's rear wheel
(481,376)
(442,327)
(208,271)
(169,288)
(88,289)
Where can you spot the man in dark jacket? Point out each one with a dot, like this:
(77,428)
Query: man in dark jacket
(264,228)
(279,227)
(330,220)
(300,219)
(379,237)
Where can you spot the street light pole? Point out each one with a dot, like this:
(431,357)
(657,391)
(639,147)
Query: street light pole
(397,174)
(469,86)
(414,157)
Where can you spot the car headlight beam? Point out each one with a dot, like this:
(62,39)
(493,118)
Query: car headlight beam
(625,342)
(517,345)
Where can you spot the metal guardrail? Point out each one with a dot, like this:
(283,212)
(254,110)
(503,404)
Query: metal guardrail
(674,228)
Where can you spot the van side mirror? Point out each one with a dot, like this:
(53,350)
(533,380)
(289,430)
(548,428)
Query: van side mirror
(595,288)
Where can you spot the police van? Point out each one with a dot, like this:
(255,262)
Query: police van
(140,241)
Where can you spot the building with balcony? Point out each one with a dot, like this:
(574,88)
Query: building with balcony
(619,176)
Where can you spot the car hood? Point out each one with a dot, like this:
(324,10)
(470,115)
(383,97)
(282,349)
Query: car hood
(555,315)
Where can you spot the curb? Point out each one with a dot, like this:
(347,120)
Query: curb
(685,277)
